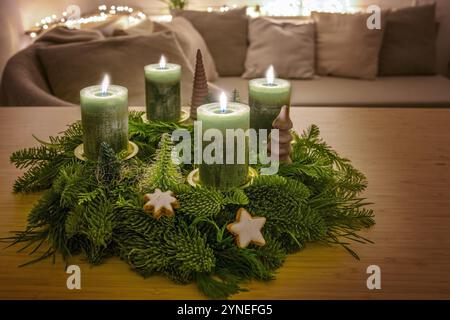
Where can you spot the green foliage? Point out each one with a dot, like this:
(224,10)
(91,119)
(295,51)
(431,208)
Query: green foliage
(217,288)
(148,135)
(235,96)
(163,173)
(199,202)
(95,208)
(175,4)
(108,165)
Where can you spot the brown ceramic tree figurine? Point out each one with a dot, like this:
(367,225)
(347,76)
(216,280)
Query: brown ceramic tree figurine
(200,87)
(284,124)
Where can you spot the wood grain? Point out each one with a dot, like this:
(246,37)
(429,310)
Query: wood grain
(405,154)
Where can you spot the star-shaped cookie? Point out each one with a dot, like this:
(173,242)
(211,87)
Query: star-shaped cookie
(160,203)
(247,229)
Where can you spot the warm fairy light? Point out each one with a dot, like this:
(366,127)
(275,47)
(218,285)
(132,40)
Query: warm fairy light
(270,75)
(105,85)
(340,6)
(103,14)
(210,9)
(163,62)
(223,102)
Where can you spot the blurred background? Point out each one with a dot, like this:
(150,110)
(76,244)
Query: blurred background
(19,16)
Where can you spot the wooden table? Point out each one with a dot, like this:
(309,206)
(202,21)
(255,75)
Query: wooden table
(405,154)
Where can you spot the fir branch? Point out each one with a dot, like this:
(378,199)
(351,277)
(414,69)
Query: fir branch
(199,202)
(108,165)
(40,176)
(162,173)
(216,289)
(32,156)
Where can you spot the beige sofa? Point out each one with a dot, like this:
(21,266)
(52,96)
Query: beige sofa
(418,91)
(24,83)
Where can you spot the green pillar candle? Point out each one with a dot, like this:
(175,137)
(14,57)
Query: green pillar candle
(266,97)
(233,116)
(104,117)
(163,91)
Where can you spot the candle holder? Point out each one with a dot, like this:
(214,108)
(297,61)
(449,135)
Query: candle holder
(184,117)
(131,151)
(193,178)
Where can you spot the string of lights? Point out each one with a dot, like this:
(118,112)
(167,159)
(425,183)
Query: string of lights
(71,18)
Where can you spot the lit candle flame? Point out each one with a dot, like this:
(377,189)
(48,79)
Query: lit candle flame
(162,62)
(105,84)
(270,75)
(223,102)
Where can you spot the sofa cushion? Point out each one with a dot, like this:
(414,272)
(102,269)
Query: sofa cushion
(345,46)
(225,34)
(61,35)
(24,82)
(419,91)
(289,47)
(190,40)
(409,44)
(71,67)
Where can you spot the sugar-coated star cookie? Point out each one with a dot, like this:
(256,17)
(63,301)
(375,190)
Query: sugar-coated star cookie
(160,203)
(247,229)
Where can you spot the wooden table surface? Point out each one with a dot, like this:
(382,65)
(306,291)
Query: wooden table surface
(405,154)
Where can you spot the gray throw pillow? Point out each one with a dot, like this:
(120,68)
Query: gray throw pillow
(225,34)
(409,44)
(345,46)
(289,47)
(63,35)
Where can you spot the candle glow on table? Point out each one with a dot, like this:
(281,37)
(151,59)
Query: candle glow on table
(222,116)
(163,91)
(104,117)
(266,97)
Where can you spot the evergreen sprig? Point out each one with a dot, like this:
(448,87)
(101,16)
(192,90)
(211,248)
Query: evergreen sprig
(163,173)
